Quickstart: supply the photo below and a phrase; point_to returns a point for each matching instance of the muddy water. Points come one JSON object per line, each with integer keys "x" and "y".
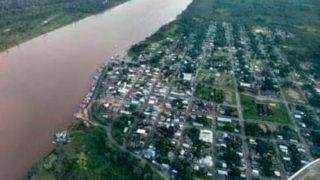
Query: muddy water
{"x": 42, "y": 81}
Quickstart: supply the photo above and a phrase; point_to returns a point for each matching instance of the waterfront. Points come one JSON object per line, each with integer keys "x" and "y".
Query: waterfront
{"x": 43, "y": 81}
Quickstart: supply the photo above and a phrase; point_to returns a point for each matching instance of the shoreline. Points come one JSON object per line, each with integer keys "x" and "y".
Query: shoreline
{"x": 43, "y": 53}
{"x": 82, "y": 114}
{"x": 9, "y": 46}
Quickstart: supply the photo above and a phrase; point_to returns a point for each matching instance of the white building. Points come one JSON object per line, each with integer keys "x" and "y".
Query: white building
{"x": 206, "y": 136}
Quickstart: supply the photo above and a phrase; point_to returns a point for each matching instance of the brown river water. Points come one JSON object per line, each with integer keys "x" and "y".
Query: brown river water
{"x": 42, "y": 81}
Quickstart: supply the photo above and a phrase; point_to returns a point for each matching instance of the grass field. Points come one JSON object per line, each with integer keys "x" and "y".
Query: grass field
{"x": 293, "y": 94}
{"x": 279, "y": 111}
{"x": 219, "y": 80}
{"x": 232, "y": 126}
{"x": 230, "y": 97}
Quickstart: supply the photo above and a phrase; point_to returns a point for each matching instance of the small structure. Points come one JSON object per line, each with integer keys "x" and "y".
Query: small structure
{"x": 60, "y": 137}
{"x": 223, "y": 119}
{"x": 206, "y": 136}
{"x": 141, "y": 131}
{"x": 149, "y": 153}
{"x": 277, "y": 173}
{"x": 206, "y": 161}
{"x": 187, "y": 76}
{"x": 223, "y": 172}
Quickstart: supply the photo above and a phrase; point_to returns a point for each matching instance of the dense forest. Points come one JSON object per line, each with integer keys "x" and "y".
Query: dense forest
{"x": 24, "y": 19}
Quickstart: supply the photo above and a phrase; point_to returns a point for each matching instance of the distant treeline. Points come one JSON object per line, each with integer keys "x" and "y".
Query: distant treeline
{"x": 24, "y": 19}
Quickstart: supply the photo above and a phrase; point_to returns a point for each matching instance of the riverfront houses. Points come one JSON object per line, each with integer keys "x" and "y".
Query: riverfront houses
{"x": 221, "y": 114}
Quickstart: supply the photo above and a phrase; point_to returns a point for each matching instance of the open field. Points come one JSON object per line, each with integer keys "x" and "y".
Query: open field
{"x": 278, "y": 112}
{"x": 294, "y": 94}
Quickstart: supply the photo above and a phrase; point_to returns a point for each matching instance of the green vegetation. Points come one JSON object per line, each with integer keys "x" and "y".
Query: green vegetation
{"x": 204, "y": 121}
{"x": 299, "y": 41}
{"x": 295, "y": 155}
{"x": 275, "y": 112}
{"x": 248, "y": 104}
{"x": 163, "y": 143}
{"x": 232, "y": 126}
{"x": 315, "y": 136}
{"x": 23, "y": 20}
{"x": 287, "y": 15}
{"x": 266, "y": 153}
{"x": 230, "y": 156}
{"x": 218, "y": 95}
{"x": 314, "y": 97}
{"x": 193, "y": 134}
{"x": 228, "y": 111}
{"x": 96, "y": 112}
{"x": 208, "y": 93}
{"x": 257, "y": 130}
{"x": 210, "y": 77}
{"x": 230, "y": 97}
{"x": 293, "y": 93}
{"x": 194, "y": 19}
{"x": 120, "y": 127}
{"x": 315, "y": 140}
{"x": 206, "y": 76}
{"x": 90, "y": 155}
{"x": 286, "y": 133}
{"x": 308, "y": 118}
{"x": 204, "y": 92}
{"x": 220, "y": 39}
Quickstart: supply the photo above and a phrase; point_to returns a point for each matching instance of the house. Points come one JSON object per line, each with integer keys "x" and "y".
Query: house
{"x": 255, "y": 172}
{"x": 149, "y": 153}
{"x": 187, "y": 76}
{"x": 141, "y": 131}
{"x": 222, "y": 119}
{"x": 61, "y": 136}
{"x": 206, "y": 136}
{"x": 223, "y": 172}
{"x": 206, "y": 161}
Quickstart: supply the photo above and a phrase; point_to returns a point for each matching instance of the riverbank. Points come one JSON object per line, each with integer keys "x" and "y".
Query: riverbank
{"x": 81, "y": 162}
{"x": 42, "y": 82}
{"x": 23, "y": 22}
{"x": 90, "y": 155}
{"x": 147, "y": 103}
{"x": 87, "y": 149}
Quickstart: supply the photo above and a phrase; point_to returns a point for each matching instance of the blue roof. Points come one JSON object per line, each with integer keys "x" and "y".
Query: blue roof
{"x": 149, "y": 153}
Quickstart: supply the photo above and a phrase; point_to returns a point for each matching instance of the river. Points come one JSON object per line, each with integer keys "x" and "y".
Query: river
{"x": 42, "y": 81}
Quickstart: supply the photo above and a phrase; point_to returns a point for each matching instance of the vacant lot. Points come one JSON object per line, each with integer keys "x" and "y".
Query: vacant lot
{"x": 271, "y": 111}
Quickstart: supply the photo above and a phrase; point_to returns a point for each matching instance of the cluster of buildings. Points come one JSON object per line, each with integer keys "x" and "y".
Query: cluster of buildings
{"x": 189, "y": 118}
